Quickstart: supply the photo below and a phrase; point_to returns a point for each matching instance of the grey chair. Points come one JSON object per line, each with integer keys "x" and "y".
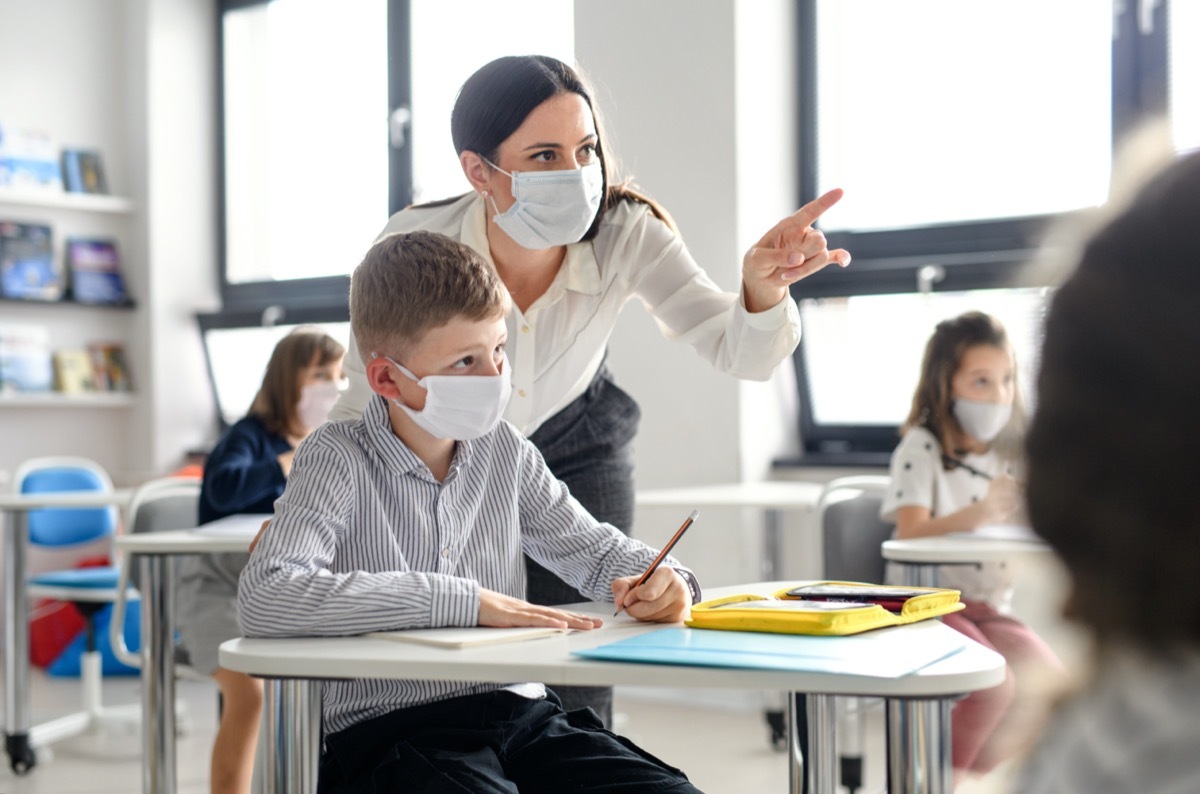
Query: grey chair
{"x": 851, "y": 536}
{"x": 158, "y": 505}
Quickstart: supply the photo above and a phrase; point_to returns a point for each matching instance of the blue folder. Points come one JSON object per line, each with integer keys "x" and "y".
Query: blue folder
{"x": 886, "y": 653}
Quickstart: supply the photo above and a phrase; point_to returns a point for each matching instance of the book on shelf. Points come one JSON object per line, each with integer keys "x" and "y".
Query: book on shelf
{"x": 24, "y": 359}
{"x": 110, "y": 366}
{"x": 825, "y": 608}
{"x": 94, "y": 268}
{"x": 73, "y": 372}
{"x": 28, "y": 270}
{"x": 83, "y": 171}
{"x": 28, "y": 160}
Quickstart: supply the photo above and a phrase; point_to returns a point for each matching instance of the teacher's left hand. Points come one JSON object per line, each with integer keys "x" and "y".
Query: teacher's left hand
{"x": 790, "y": 251}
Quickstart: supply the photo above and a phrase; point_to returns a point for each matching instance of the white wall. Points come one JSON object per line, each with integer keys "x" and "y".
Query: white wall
{"x": 134, "y": 79}
{"x": 698, "y": 104}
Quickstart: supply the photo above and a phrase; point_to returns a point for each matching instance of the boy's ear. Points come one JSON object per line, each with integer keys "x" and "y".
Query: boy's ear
{"x": 475, "y": 169}
{"x": 379, "y": 378}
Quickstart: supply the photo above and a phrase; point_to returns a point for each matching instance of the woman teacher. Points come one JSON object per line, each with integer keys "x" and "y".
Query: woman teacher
{"x": 572, "y": 248}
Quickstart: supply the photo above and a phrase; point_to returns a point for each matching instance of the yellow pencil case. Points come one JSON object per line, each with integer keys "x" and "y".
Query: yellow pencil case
{"x": 828, "y": 608}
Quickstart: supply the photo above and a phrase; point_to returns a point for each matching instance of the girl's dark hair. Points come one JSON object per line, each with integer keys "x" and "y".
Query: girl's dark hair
{"x": 1112, "y": 451}
{"x": 275, "y": 403}
{"x": 943, "y": 356}
{"x": 497, "y": 99}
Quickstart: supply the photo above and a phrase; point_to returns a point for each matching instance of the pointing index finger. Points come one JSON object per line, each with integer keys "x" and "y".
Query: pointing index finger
{"x": 808, "y": 214}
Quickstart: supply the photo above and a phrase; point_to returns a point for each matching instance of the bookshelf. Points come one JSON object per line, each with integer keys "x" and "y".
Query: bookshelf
{"x": 68, "y": 323}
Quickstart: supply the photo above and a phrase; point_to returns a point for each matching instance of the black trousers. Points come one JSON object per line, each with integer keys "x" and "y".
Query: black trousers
{"x": 493, "y": 743}
{"x": 589, "y": 446}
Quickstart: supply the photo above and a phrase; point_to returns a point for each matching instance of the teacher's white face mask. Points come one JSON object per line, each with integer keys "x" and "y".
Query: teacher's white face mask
{"x": 552, "y": 207}
{"x": 982, "y": 421}
{"x": 460, "y": 407}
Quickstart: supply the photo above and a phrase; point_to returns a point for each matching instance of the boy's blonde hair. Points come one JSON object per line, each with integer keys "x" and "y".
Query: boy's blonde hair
{"x": 410, "y": 283}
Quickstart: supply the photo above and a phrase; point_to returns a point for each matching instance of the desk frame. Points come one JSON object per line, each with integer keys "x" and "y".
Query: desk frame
{"x": 20, "y": 738}
{"x": 918, "y": 705}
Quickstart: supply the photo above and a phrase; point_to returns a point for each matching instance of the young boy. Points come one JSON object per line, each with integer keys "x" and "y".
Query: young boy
{"x": 417, "y": 515}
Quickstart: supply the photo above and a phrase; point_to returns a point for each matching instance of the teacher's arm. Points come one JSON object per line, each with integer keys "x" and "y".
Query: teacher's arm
{"x": 353, "y": 401}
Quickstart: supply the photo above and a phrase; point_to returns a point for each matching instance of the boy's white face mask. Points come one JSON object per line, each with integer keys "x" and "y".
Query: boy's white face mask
{"x": 459, "y": 407}
{"x": 982, "y": 421}
{"x": 552, "y": 207}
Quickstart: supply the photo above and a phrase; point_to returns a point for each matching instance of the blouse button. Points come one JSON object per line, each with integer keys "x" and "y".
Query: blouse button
{"x": 446, "y": 553}
{"x": 524, "y": 329}
{"x": 521, "y": 392}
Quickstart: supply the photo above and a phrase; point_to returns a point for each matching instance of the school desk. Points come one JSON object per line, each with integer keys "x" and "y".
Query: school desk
{"x": 155, "y": 552}
{"x": 919, "y": 558}
{"x": 21, "y": 739}
{"x": 918, "y": 705}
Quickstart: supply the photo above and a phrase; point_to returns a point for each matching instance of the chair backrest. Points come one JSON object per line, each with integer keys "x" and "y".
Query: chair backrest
{"x": 165, "y": 503}
{"x": 63, "y": 526}
{"x": 851, "y": 530}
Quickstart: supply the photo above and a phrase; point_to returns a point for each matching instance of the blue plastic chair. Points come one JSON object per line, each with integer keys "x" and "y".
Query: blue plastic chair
{"x": 90, "y": 590}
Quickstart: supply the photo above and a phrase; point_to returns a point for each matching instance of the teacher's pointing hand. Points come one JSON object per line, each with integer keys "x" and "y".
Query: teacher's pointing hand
{"x": 790, "y": 251}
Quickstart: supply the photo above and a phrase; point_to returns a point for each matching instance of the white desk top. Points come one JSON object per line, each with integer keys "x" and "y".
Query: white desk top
{"x": 770, "y": 494}
{"x": 182, "y": 541}
{"x": 959, "y": 548}
{"x": 36, "y": 501}
{"x": 549, "y": 660}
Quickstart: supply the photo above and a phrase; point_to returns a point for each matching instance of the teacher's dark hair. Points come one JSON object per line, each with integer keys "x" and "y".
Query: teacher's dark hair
{"x": 1112, "y": 450}
{"x": 497, "y": 99}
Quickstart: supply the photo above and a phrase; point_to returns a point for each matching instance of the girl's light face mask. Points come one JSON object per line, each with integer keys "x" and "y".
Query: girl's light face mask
{"x": 459, "y": 407}
{"x": 552, "y": 208}
{"x": 980, "y": 420}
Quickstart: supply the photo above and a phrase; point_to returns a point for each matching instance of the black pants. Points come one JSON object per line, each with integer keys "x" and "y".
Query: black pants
{"x": 589, "y": 446}
{"x": 494, "y": 743}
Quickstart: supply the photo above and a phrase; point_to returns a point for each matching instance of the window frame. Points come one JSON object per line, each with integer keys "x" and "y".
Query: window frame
{"x": 973, "y": 255}
{"x": 249, "y": 299}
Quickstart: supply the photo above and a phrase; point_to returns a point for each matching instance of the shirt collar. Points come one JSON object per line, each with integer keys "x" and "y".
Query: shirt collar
{"x": 580, "y": 271}
{"x": 394, "y": 453}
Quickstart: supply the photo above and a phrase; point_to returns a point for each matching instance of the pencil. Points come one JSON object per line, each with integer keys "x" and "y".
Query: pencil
{"x": 662, "y": 555}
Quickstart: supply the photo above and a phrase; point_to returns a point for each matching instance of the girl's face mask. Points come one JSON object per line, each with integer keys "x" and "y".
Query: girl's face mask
{"x": 459, "y": 407}
{"x": 316, "y": 401}
{"x": 552, "y": 207}
{"x": 982, "y": 421}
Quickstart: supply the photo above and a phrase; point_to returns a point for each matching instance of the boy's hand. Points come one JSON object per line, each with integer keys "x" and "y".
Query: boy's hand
{"x": 663, "y": 598}
{"x": 497, "y": 609}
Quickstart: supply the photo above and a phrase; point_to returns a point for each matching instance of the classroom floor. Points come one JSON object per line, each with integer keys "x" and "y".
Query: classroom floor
{"x": 723, "y": 746}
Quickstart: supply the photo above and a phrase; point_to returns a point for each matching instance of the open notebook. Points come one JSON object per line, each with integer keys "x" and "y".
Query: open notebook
{"x": 474, "y": 636}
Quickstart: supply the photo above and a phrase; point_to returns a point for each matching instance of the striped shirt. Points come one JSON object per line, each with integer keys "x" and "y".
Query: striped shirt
{"x": 1136, "y": 728}
{"x": 365, "y": 539}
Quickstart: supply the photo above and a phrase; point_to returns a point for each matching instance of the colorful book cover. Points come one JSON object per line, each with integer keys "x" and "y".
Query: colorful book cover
{"x": 27, "y": 267}
{"x": 25, "y": 359}
{"x": 109, "y": 366}
{"x": 28, "y": 160}
{"x": 73, "y": 372}
{"x": 95, "y": 269}
{"x": 83, "y": 171}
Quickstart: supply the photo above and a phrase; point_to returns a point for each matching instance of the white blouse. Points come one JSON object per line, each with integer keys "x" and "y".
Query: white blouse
{"x": 556, "y": 347}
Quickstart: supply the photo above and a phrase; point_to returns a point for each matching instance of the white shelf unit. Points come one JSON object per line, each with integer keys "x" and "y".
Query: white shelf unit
{"x": 60, "y": 400}
{"x": 53, "y": 199}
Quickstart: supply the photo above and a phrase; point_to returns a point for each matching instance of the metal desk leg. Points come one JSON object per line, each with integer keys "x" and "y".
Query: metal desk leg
{"x": 919, "y": 574}
{"x": 16, "y": 646}
{"x": 158, "y": 674}
{"x": 821, "y": 766}
{"x": 918, "y": 738}
{"x": 293, "y": 735}
{"x": 772, "y": 544}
